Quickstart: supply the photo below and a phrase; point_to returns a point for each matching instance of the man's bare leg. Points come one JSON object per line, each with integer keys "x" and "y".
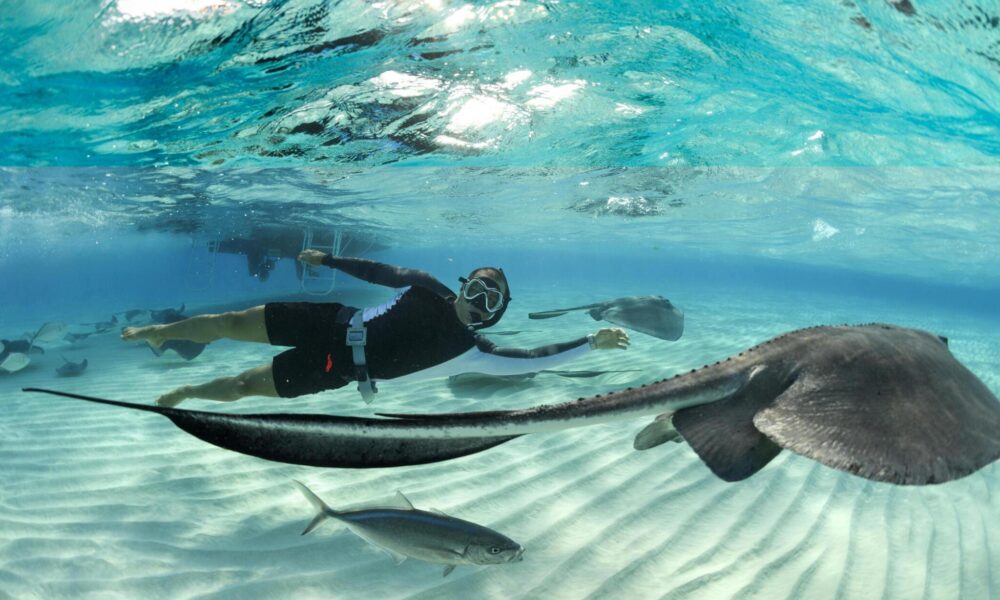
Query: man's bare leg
{"x": 244, "y": 325}
{"x": 255, "y": 382}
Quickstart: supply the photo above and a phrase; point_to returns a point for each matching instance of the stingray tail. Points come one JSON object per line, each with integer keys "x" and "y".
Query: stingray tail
{"x": 548, "y": 314}
{"x": 328, "y": 441}
{"x": 323, "y": 512}
{"x": 146, "y": 407}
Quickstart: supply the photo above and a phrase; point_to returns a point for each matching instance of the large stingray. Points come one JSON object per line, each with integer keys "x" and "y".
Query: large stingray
{"x": 652, "y": 315}
{"x": 879, "y": 401}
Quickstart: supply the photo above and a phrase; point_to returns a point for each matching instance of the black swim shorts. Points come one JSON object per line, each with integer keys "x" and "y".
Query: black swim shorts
{"x": 320, "y": 358}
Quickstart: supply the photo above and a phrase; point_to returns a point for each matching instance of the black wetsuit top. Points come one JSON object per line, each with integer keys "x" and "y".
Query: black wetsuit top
{"x": 419, "y": 329}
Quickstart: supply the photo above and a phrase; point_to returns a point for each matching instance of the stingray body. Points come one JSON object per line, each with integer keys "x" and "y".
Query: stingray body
{"x": 103, "y": 326}
{"x": 51, "y": 331}
{"x": 167, "y": 315}
{"x": 12, "y": 362}
{"x": 71, "y": 369}
{"x": 879, "y": 401}
{"x": 21, "y": 346}
{"x": 14, "y": 354}
{"x": 187, "y": 349}
{"x": 652, "y": 315}
{"x": 73, "y": 338}
{"x": 135, "y": 314}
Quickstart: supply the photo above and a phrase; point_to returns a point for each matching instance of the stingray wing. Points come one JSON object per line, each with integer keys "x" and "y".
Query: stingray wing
{"x": 49, "y": 332}
{"x": 187, "y": 349}
{"x": 656, "y": 321}
{"x": 926, "y": 419}
{"x": 14, "y": 362}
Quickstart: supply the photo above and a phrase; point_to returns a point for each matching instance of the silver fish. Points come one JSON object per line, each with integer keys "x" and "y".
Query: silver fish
{"x": 405, "y": 532}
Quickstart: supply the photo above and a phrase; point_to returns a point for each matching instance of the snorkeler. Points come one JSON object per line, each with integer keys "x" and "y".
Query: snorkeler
{"x": 425, "y": 331}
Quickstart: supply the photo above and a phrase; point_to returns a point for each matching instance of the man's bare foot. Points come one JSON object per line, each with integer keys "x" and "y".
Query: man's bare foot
{"x": 173, "y": 398}
{"x": 150, "y": 334}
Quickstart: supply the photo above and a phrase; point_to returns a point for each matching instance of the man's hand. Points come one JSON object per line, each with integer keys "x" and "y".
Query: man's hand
{"x": 312, "y": 257}
{"x": 608, "y": 339}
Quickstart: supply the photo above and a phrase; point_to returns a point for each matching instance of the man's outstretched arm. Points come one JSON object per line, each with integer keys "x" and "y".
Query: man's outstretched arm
{"x": 515, "y": 361}
{"x": 488, "y": 359}
{"x": 376, "y": 272}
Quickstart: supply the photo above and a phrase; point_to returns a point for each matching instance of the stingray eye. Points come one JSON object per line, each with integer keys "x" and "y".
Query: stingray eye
{"x": 495, "y": 550}
{"x": 943, "y": 339}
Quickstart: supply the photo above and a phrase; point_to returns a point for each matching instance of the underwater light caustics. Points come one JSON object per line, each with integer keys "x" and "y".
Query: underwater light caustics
{"x": 148, "y": 10}
{"x": 878, "y": 401}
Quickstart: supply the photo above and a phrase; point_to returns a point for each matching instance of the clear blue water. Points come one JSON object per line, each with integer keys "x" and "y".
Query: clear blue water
{"x": 765, "y": 166}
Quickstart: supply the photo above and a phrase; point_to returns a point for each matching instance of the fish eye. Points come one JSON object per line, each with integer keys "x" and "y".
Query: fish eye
{"x": 495, "y": 550}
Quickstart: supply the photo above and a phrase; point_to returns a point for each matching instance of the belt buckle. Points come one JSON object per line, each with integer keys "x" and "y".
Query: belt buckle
{"x": 357, "y": 336}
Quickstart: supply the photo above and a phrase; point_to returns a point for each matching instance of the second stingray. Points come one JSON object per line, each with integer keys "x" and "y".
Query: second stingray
{"x": 652, "y": 315}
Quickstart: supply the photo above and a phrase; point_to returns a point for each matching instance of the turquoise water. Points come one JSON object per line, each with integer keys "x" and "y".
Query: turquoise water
{"x": 764, "y": 167}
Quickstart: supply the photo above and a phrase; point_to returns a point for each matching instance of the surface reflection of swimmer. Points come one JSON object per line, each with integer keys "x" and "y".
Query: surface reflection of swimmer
{"x": 425, "y": 331}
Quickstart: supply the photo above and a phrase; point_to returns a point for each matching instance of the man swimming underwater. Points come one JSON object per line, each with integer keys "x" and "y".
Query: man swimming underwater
{"x": 425, "y": 331}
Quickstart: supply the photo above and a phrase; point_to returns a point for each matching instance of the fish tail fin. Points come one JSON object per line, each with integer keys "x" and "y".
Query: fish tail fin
{"x": 323, "y": 512}
{"x": 658, "y": 432}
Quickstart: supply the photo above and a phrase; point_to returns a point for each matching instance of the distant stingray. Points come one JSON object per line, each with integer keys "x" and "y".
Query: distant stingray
{"x": 49, "y": 332}
{"x": 14, "y": 354}
{"x": 167, "y": 315}
{"x": 513, "y": 332}
{"x": 102, "y": 326}
{"x": 70, "y": 368}
{"x": 135, "y": 313}
{"x": 11, "y": 362}
{"x": 77, "y": 337}
{"x": 22, "y": 346}
{"x": 652, "y": 315}
{"x": 187, "y": 349}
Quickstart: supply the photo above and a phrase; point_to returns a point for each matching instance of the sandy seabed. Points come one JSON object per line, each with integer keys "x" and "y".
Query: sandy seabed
{"x": 101, "y": 502}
